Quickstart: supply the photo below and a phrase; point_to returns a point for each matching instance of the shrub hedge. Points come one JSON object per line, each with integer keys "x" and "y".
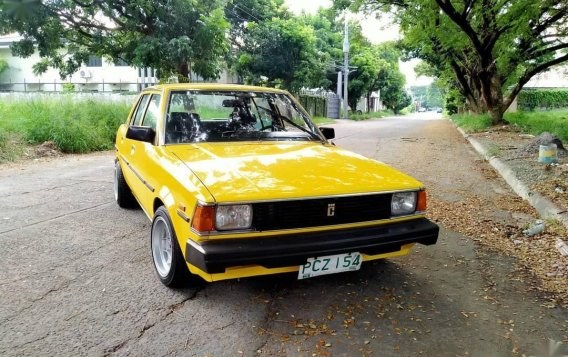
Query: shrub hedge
{"x": 531, "y": 99}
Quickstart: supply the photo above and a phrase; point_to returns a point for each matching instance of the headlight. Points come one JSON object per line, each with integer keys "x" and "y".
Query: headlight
{"x": 233, "y": 217}
{"x": 403, "y": 203}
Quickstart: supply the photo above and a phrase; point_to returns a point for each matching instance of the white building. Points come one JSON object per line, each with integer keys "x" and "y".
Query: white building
{"x": 97, "y": 75}
{"x": 555, "y": 77}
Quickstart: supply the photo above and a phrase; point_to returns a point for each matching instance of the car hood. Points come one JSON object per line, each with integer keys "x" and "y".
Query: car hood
{"x": 234, "y": 172}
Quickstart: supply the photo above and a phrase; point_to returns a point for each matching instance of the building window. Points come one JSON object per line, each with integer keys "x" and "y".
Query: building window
{"x": 94, "y": 61}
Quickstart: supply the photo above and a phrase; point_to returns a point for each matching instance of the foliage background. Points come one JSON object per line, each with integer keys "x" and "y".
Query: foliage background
{"x": 531, "y": 99}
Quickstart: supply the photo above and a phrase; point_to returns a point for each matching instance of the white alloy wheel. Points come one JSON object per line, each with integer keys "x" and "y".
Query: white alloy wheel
{"x": 162, "y": 246}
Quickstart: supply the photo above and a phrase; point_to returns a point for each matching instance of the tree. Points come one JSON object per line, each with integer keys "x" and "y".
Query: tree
{"x": 280, "y": 52}
{"x": 173, "y": 36}
{"x": 390, "y": 80}
{"x": 240, "y": 13}
{"x": 491, "y": 48}
{"x": 428, "y": 96}
{"x": 328, "y": 45}
{"x": 393, "y": 94}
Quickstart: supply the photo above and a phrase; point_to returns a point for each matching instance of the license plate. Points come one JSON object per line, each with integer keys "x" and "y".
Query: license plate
{"x": 330, "y": 264}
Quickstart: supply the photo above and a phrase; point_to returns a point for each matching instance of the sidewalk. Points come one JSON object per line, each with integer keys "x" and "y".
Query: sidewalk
{"x": 545, "y": 187}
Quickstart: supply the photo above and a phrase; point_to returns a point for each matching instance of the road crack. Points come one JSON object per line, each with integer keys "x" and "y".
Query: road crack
{"x": 171, "y": 309}
{"x": 57, "y": 217}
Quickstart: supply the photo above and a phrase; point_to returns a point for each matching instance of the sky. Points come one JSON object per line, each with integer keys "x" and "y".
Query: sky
{"x": 375, "y": 30}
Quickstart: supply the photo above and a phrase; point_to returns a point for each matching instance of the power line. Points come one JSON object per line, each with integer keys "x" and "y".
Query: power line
{"x": 247, "y": 12}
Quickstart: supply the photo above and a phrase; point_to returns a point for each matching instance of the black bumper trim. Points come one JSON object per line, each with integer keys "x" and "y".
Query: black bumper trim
{"x": 294, "y": 249}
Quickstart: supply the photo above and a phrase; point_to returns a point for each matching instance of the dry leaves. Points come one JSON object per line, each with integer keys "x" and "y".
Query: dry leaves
{"x": 537, "y": 254}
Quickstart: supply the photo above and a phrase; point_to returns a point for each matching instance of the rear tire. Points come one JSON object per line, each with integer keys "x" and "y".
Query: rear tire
{"x": 167, "y": 257}
{"x": 122, "y": 193}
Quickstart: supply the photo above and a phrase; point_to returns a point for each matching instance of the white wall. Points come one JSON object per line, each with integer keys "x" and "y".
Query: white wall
{"x": 20, "y": 71}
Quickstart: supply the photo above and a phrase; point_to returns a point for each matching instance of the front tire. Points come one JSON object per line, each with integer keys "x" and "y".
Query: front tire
{"x": 166, "y": 254}
{"x": 122, "y": 193}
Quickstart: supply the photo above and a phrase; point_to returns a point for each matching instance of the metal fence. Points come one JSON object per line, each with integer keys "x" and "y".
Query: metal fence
{"x": 319, "y": 102}
{"x": 59, "y": 86}
{"x": 127, "y": 98}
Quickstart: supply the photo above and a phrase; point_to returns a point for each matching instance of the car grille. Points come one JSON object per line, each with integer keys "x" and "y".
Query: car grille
{"x": 320, "y": 212}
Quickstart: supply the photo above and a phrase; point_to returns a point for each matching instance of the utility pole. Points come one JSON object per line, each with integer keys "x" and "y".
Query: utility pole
{"x": 345, "y": 69}
{"x": 339, "y": 84}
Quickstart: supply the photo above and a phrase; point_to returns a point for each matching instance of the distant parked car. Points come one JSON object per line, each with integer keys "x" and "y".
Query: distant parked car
{"x": 438, "y": 110}
{"x": 421, "y": 110}
{"x": 238, "y": 182}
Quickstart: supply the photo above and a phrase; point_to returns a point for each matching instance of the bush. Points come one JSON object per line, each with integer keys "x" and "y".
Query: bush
{"x": 68, "y": 87}
{"x": 74, "y": 126}
{"x": 531, "y": 99}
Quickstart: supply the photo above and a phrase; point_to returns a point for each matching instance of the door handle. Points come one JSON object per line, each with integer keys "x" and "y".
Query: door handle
{"x": 132, "y": 150}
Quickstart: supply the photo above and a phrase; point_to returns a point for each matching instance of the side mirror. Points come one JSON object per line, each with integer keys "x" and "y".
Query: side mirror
{"x": 141, "y": 133}
{"x": 328, "y": 133}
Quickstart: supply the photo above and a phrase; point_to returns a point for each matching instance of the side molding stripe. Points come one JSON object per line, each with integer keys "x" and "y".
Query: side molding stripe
{"x": 137, "y": 174}
{"x": 183, "y": 216}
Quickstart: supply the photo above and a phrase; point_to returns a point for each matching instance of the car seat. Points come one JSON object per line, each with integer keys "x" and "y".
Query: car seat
{"x": 182, "y": 127}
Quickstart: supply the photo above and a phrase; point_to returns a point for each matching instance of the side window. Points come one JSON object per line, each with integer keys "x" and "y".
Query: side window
{"x": 153, "y": 112}
{"x": 139, "y": 113}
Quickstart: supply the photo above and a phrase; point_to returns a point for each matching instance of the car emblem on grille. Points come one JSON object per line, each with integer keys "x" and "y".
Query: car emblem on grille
{"x": 331, "y": 209}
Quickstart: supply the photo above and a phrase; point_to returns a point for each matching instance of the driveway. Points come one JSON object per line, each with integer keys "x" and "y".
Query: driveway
{"x": 77, "y": 276}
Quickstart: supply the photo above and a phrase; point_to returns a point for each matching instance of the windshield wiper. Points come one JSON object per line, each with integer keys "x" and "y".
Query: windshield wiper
{"x": 291, "y": 122}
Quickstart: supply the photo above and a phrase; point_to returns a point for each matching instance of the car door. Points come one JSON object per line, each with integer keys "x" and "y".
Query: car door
{"x": 140, "y": 154}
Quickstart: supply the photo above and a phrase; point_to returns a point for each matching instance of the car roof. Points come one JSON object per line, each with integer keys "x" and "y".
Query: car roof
{"x": 213, "y": 86}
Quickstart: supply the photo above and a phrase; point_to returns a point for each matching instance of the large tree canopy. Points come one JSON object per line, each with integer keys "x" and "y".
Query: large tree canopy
{"x": 489, "y": 48}
{"x": 173, "y": 36}
{"x": 373, "y": 67}
{"x": 280, "y": 53}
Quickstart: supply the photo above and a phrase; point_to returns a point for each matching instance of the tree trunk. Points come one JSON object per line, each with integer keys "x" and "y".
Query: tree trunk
{"x": 183, "y": 72}
{"x": 492, "y": 95}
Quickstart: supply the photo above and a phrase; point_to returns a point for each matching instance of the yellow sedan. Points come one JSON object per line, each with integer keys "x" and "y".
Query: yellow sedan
{"x": 239, "y": 182}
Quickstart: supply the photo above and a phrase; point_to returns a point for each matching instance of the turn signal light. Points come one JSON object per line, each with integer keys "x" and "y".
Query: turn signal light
{"x": 203, "y": 218}
{"x": 421, "y": 204}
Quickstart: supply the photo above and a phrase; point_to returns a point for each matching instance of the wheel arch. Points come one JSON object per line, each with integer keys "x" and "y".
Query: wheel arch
{"x": 157, "y": 204}
{"x": 165, "y": 198}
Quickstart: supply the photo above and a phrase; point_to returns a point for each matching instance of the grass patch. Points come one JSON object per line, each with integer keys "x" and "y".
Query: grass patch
{"x": 555, "y": 122}
{"x": 74, "y": 126}
{"x": 11, "y": 146}
{"x": 323, "y": 120}
{"x": 371, "y": 115}
{"x": 472, "y": 123}
{"x": 535, "y": 123}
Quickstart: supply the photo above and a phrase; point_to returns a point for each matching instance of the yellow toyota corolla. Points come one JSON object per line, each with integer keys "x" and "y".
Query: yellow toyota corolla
{"x": 238, "y": 182}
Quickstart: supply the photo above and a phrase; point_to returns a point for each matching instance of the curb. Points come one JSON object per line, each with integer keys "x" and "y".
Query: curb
{"x": 545, "y": 207}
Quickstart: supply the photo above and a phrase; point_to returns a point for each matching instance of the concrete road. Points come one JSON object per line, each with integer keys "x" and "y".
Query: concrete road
{"x": 77, "y": 277}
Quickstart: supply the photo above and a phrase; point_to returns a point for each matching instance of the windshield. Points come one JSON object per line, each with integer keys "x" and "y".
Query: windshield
{"x": 210, "y": 116}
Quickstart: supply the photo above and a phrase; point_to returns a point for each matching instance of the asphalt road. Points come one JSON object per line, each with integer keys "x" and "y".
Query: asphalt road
{"x": 77, "y": 277}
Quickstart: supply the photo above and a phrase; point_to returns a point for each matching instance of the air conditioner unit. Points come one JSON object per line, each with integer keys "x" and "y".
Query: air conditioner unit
{"x": 84, "y": 73}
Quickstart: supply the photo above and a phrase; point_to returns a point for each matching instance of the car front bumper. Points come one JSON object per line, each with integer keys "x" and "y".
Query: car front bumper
{"x": 215, "y": 255}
